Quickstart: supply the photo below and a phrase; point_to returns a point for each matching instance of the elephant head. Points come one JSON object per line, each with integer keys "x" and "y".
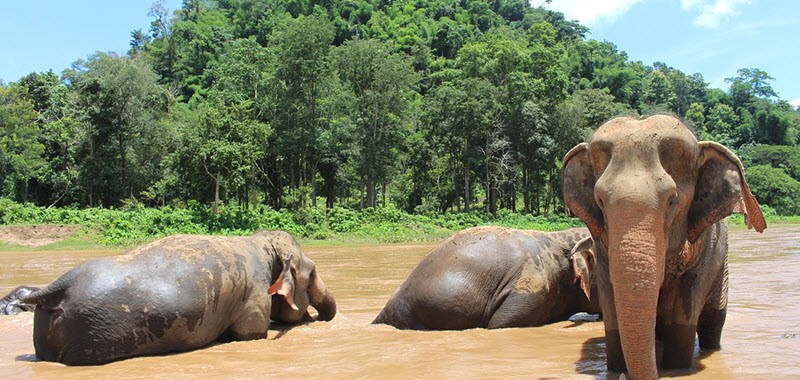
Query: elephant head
{"x": 647, "y": 189}
{"x": 297, "y": 285}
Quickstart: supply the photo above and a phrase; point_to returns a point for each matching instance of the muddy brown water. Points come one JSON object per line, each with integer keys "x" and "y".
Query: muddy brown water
{"x": 761, "y": 338}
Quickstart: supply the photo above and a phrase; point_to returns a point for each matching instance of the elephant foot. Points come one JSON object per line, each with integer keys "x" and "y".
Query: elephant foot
{"x": 678, "y": 346}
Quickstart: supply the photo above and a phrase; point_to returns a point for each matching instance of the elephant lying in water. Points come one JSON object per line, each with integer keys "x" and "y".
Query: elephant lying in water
{"x": 178, "y": 293}
{"x": 492, "y": 277}
{"x": 12, "y": 304}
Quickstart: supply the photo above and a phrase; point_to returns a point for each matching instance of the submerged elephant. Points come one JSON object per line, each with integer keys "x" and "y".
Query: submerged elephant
{"x": 178, "y": 293}
{"x": 12, "y": 304}
{"x": 491, "y": 277}
{"x": 654, "y": 198}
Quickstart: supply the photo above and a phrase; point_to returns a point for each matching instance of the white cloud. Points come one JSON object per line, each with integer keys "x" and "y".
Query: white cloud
{"x": 795, "y": 103}
{"x": 713, "y": 12}
{"x": 590, "y": 12}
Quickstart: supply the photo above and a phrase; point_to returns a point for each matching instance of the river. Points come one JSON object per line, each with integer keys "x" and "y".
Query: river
{"x": 761, "y": 338}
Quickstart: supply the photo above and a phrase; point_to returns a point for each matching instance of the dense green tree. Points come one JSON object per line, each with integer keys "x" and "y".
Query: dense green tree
{"x": 222, "y": 144}
{"x": 200, "y": 32}
{"x": 119, "y": 104}
{"x": 783, "y": 157}
{"x": 721, "y": 124}
{"x": 59, "y": 136}
{"x": 422, "y": 104}
{"x": 20, "y": 150}
{"x": 302, "y": 70}
{"x": 657, "y": 90}
{"x": 774, "y": 187}
{"x": 383, "y": 84}
{"x": 697, "y": 119}
{"x": 464, "y": 116}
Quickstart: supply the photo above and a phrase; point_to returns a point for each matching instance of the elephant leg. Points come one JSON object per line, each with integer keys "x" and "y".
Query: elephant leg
{"x": 42, "y": 324}
{"x": 520, "y": 310}
{"x": 709, "y": 328}
{"x": 678, "y": 345}
{"x": 253, "y": 324}
{"x": 679, "y": 313}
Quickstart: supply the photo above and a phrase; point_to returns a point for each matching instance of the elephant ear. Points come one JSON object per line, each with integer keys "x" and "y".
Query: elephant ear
{"x": 284, "y": 285}
{"x": 583, "y": 263}
{"x": 577, "y": 184}
{"x": 721, "y": 190}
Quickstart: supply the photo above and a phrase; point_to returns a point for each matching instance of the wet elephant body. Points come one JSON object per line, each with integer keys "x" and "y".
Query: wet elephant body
{"x": 491, "y": 277}
{"x": 174, "y": 294}
{"x": 12, "y": 304}
{"x": 654, "y": 199}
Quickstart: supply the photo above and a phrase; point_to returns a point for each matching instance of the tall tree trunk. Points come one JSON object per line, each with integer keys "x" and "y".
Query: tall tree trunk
{"x": 512, "y": 201}
{"x": 526, "y": 192}
{"x": 93, "y": 156}
{"x": 124, "y": 165}
{"x": 466, "y": 189}
{"x": 383, "y": 194}
{"x": 371, "y": 193}
{"x": 361, "y": 197}
{"x": 492, "y": 199}
{"x": 314, "y": 183}
{"x": 253, "y": 189}
{"x": 216, "y": 194}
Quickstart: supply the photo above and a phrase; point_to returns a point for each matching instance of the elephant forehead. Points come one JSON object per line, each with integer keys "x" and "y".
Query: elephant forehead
{"x": 646, "y": 138}
{"x": 653, "y": 129}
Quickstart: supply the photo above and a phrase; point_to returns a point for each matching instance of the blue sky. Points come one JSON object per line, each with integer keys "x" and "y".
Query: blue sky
{"x": 711, "y": 37}
{"x": 39, "y": 35}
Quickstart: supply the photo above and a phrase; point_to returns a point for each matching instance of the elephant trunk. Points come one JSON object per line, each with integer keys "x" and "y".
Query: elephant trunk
{"x": 322, "y": 300}
{"x": 636, "y": 268}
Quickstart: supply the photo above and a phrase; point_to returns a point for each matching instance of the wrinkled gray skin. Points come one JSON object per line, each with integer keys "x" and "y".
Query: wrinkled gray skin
{"x": 654, "y": 199}
{"x": 178, "y": 293}
{"x": 491, "y": 277}
{"x": 12, "y": 304}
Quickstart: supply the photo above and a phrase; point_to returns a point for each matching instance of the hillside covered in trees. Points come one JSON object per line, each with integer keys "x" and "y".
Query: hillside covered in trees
{"x": 426, "y": 105}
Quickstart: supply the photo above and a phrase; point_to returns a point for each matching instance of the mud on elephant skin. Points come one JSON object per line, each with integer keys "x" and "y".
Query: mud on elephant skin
{"x": 654, "y": 199}
{"x": 491, "y": 277}
{"x": 178, "y": 293}
{"x": 12, "y": 303}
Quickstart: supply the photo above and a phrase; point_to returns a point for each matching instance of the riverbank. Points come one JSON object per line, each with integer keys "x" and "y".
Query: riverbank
{"x": 124, "y": 227}
{"x": 25, "y": 225}
{"x": 50, "y": 237}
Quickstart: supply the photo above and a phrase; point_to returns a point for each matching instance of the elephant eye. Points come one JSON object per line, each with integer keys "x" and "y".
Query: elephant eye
{"x": 673, "y": 199}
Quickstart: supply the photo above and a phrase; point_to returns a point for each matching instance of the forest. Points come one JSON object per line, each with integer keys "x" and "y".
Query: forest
{"x": 425, "y": 106}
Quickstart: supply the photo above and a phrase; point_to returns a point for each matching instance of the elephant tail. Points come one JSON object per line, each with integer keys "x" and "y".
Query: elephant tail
{"x": 57, "y": 287}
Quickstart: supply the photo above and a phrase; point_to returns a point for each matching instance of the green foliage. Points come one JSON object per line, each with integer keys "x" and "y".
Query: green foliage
{"x": 776, "y": 188}
{"x": 20, "y": 150}
{"x": 433, "y": 107}
{"x": 786, "y": 158}
{"x": 136, "y": 223}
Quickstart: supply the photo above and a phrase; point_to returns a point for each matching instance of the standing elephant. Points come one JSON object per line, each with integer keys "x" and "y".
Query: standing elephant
{"x": 491, "y": 277}
{"x": 654, "y": 198}
{"x": 178, "y": 293}
{"x": 12, "y": 304}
